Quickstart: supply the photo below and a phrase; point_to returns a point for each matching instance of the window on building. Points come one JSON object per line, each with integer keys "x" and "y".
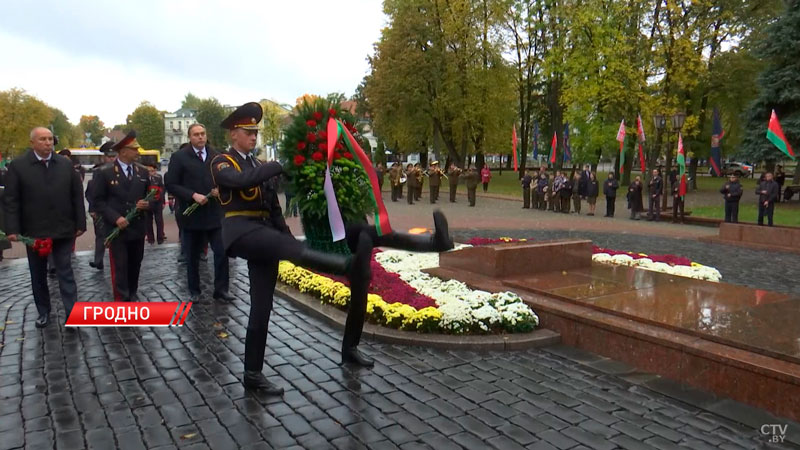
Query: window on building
{"x": 179, "y": 124}
{"x": 171, "y": 126}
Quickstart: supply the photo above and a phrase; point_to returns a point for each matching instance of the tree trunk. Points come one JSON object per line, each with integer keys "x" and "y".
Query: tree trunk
{"x": 480, "y": 161}
{"x": 796, "y": 179}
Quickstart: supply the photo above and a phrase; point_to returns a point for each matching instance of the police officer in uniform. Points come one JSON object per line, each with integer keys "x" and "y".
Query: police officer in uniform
{"x": 118, "y": 187}
{"x": 97, "y": 219}
{"x": 253, "y": 228}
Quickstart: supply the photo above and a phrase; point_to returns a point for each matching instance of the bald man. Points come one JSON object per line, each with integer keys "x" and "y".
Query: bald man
{"x": 44, "y": 199}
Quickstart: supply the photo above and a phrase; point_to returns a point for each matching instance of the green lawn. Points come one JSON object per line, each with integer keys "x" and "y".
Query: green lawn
{"x": 786, "y": 214}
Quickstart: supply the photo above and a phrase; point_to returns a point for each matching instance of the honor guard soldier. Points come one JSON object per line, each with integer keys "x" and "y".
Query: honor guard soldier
{"x": 118, "y": 188}
{"x": 253, "y": 228}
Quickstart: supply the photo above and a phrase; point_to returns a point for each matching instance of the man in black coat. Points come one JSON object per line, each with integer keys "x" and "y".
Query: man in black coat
{"x": 610, "y": 191}
{"x": 189, "y": 180}
{"x": 155, "y": 216}
{"x": 118, "y": 188}
{"x": 732, "y": 193}
{"x": 767, "y": 192}
{"x": 44, "y": 199}
{"x": 654, "y": 190}
{"x": 583, "y": 184}
{"x": 526, "y": 190}
{"x": 99, "y": 231}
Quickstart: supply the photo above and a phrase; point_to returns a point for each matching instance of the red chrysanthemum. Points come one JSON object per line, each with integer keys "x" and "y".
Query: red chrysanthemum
{"x": 332, "y": 112}
{"x": 311, "y": 137}
{"x": 317, "y": 116}
{"x": 348, "y": 155}
{"x": 339, "y": 146}
{"x": 301, "y": 145}
{"x": 323, "y": 146}
{"x": 322, "y": 135}
{"x": 299, "y": 160}
{"x": 317, "y": 156}
{"x": 337, "y": 155}
{"x": 311, "y": 123}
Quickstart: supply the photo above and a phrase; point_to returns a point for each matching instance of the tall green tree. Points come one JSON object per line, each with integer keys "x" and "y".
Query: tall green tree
{"x": 148, "y": 122}
{"x": 211, "y": 113}
{"x": 778, "y": 89}
{"x": 19, "y": 114}
{"x": 63, "y": 129}
{"x": 191, "y": 101}
{"x": 94, "y": 126}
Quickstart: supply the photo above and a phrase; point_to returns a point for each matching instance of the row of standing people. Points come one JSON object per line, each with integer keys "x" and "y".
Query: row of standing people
{"x": 413, "y": 178}
{"x": 564, "y": 194}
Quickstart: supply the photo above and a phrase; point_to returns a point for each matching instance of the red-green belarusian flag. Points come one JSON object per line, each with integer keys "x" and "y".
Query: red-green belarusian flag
{"x": 621, "y": 139}
{"x": 681, "y": 166}
{"x": 776, "y": 136}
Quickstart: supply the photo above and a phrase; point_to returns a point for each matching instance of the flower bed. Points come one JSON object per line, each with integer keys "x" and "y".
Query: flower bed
{"x": 670, "y": 264}
{"x": 437, "y": 305}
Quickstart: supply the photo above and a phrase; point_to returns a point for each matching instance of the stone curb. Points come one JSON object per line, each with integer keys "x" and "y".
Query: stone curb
{"x": 337, "y": 318}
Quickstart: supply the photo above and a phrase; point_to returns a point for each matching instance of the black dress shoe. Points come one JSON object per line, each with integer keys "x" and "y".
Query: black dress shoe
{"x": 96, "y": 266}
{"x": 223, "y": 297}
{"x": 43, "y": 320}
{"x": 257, "y": 380}
{"x": 353, "y": 356}
{"x": 196, "y": 298}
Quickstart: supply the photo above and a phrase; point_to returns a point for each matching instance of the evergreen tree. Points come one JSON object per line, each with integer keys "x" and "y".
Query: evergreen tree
{"x": 779, "y": 89}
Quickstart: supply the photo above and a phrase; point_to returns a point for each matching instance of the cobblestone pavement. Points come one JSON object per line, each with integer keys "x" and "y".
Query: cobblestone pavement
{"x": 133, "y": 388}
{"x": 759, "y": 269}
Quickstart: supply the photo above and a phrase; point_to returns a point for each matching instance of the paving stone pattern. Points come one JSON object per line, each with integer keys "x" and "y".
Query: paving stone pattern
{"x": 758, "y": 269}
{"x": 164, "y": 388}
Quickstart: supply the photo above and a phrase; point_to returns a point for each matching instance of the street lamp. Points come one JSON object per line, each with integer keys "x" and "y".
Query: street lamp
{"x": 677, "y": 121}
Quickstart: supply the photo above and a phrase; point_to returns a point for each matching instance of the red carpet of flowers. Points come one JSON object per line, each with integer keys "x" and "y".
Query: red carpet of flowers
{"x": 391, "y": 287}
{"x": 667, "y": 259}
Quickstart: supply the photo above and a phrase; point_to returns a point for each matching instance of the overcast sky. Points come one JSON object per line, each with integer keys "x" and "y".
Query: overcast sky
{"x": 104, "y": 57}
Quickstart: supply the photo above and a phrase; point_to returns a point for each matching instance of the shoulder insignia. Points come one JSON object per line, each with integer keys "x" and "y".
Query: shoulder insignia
{"x": 222, "y": 165}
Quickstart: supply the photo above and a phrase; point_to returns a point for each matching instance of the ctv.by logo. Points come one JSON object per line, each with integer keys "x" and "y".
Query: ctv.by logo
{"x": 775, "y": 432}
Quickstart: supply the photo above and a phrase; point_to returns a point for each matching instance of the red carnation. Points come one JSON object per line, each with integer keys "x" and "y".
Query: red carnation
{"x": 43, "y": 247}
{"x": 159, "y": 192}
{"x": 323, "y": 135}
{"x": 323, "y": 146}
{"x": 339, "y": 146}
{"x": 317, "y": 115}
{"x": 311, "y": 123}
{"x": 348, "y": 155}
{"x": 311, "y": 137}
{"x": 301, "y": 145}
{"x": 317, "y": 156}
{"x": 332, "y": 112}
{"x": 337, "y": 155}
{"x": 299, "y": 160}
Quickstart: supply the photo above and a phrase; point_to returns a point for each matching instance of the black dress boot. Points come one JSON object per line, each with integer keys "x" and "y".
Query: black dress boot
{"x": 360, "y": 276}
{"x": 440, "y": 241}
{"x": 256, "y": 380}
{"x": 332, "y": 263}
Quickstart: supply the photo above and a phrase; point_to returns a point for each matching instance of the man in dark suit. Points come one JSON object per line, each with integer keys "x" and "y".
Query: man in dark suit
{"x": 767, "y": 192}
{"x": 655, "y": 189}
{"x": 99, "y": 232}
{"x": 44, "y": 199}
{"x": 189, "y": 180}
{"x": 119, "y": 187}
{"x": 254, "y": 229}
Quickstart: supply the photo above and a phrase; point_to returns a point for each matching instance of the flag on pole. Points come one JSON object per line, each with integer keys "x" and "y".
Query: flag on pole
{"x": 536, "y": 140}
{"x": 776, "y": 136}
{"x": 621, "y": 139}
{"x": 514, "y": 145}
{"x": 640, "y": 132}
{"x": 553, "y": 148}
{"x": 567, "y": 150}
{"x": 681, "y": 166}
{"x": 716, "y": 135}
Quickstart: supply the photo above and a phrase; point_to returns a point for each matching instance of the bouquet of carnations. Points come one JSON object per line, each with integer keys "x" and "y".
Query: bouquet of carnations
{"x": 43, "y": 247}
{"x": 152, "y": 194}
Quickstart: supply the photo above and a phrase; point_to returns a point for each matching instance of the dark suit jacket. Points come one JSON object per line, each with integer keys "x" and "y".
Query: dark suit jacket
{"x": 186, "y": 175}
{"x": 41, "y": 201}
{"x": 112, "y": 196}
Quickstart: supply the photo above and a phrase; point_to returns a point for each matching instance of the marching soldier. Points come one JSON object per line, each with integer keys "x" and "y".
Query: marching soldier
{"x": 472, "y": 179}
{"x": 411, "y": 182}
{"x": 254, "y": 229}
{"x": 420, "y": 181}
{"x": 118, "y": 188}
{"x": 452, "y": 176}
{"x": 394, "y": 179}
{"x": 435, "y": 174}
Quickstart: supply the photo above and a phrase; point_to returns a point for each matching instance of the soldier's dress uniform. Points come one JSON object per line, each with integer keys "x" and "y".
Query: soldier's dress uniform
{"x": 97, "y": 220}
{"x": 420, "y": 182}
{"x": 253, "y": 228}
{"x": 435, "y": 176}
{"x": 452, "y": 177}
{"x": 114, "y": 193}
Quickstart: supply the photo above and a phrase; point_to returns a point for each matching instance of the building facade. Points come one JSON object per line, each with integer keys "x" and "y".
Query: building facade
{"x": 175, "y": 126}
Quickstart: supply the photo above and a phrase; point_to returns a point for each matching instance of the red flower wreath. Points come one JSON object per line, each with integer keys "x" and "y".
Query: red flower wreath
{"x": 301, "y": 145}
{"x": 348, "y": 155}
{"x": 317, "y": 156}
{"x": 317, "y": 116}
{"x": 299, "y": 160}
{"x": 311, "y": 137}
{"x": 332, "y": 112}
{"x": 311, "y": 123}
{"x": 322, "y": 135}
{"x": 323, "y": 146}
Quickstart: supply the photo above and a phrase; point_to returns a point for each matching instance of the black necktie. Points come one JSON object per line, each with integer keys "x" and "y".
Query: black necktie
{"x": 200, "y": 155}
{"x": 250, "y": 161}
{"x": 130, "y": 173}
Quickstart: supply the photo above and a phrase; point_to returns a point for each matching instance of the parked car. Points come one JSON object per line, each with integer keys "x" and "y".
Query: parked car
{"x": 740, "y": 169}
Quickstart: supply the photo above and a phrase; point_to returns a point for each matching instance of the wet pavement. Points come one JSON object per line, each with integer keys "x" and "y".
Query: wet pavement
{"x": 166, "y": 388}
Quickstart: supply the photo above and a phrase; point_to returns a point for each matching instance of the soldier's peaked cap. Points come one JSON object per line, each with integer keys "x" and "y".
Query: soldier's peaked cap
{"x": 105, "y": 148}
{"x": 128, "y": 141}
{"x": 246, "y": 116}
